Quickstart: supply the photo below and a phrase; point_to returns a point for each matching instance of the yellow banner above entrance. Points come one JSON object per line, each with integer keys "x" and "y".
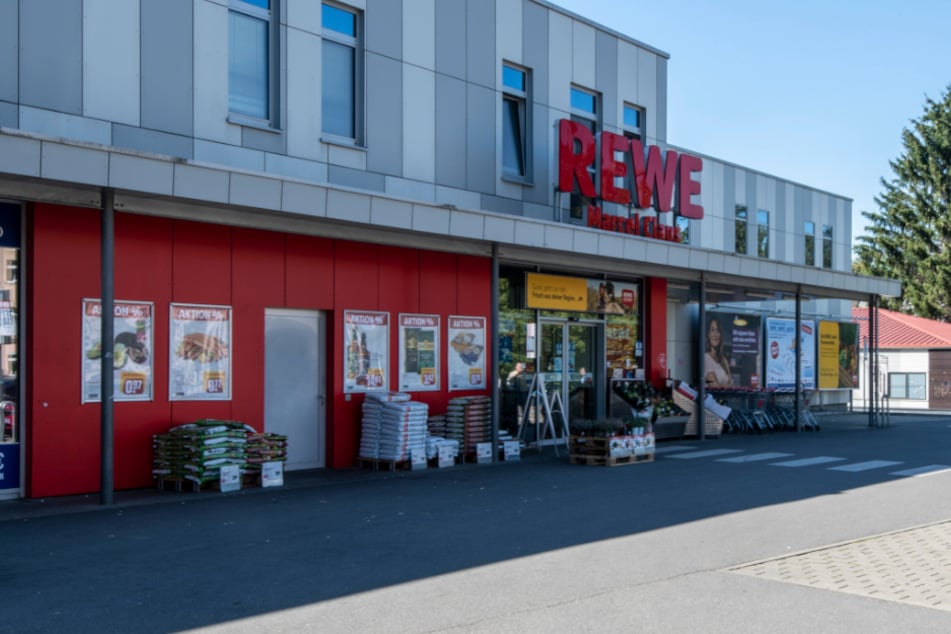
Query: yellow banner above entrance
{"x": 554, "y": 292}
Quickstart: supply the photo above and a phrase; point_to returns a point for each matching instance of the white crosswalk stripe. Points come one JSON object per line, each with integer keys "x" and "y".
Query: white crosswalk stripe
{"x": 807, "y": 462}
{"x": 772, "y": 455}
{"x": 922, "y": 471}
{"x": 865, "y": 466}
{"x": 704, "y": 454}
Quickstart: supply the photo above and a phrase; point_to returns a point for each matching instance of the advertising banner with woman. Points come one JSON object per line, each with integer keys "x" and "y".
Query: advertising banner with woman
{"x": 131, "y": 351}
{"x": 732, "y": 352}
{"x": 199, "y": 360}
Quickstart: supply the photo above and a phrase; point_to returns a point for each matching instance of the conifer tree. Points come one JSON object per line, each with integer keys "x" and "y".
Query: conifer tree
{"x": 909, "y": 237}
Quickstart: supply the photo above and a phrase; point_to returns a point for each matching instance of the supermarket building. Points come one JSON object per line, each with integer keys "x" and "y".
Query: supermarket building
{"x": 290, "y": 203}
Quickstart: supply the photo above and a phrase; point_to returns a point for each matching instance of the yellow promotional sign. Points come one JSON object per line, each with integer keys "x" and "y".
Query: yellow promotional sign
{"x": 554, "y": 292}
{"x": 828, "y": 355}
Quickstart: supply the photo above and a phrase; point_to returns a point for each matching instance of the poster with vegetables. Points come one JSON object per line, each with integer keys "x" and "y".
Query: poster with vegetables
{"x": 366, "y": 346}
{"x": 131, "y": 351}
{"x": 199, "y": 360}
{"x": 419, "y": 352}
{"x": 466, "y": 353}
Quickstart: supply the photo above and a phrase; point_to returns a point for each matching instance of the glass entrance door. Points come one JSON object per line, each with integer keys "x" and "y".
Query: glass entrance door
{"x": 571, "y": 356}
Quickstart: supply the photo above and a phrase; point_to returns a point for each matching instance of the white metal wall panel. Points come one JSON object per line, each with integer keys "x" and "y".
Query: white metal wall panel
{"x": 508, "y": 31}
{"x": 303, "y": 90}
{"x": 111, "y": 60}
{"x": 64, "y": 125}
{"x": 419, "y": 130}
{"x": 211, "y": 74}
{"x": 303, "y": 15}
{"x": 419, "y": 33}
{"x": 583, "y": 57}
{"x": 627, "y": 80}
{"x": 647, "y": 91}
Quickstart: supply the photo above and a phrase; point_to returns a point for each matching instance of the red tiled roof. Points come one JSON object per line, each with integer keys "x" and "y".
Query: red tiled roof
{"x": 898, "y": 330}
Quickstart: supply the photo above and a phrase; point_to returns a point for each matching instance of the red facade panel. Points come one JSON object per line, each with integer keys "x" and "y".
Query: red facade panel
{"x": 164, "y": 261}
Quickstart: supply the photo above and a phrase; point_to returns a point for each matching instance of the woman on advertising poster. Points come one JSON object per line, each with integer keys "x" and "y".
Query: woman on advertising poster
{"x": 716, "y": 367}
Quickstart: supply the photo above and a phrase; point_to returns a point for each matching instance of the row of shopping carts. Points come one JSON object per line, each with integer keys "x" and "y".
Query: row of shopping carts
{"x": 767, "y": 410}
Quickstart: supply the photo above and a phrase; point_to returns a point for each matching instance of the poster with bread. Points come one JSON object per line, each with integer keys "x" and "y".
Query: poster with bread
{"x": 466, "y": 353}
{"x": 130, "y": 351}
{"x": 199, "y": 364}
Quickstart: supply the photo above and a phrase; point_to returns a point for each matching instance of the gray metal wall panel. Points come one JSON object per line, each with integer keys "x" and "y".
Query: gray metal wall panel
{"x": 606, "y": 74}
{"x": 384, "y": 115}
{"x": 153, "y": 142}
{"x": 729, "y": 208}
{"x": 51, "y": 55}
{"x": 383, "y": 32}
{"x": 502, "y": 205}
{"x": 480, "y": 43}
{"x": 357, "y": 179}
{"x": 661, "y": 114}
{"x": 535, "y": 48}
{"x": 9, "y": 115}
{"x": 451, "y": 37}
{"x": 167, "y": 66}
{"x": 535, "y": 55}
{"x": 777, "y": 225}
{"x": 450, "y": 131}
{"x": 9, "y": 57}
{"x": 480, "y": 139}
{"x": 255, "y": 139}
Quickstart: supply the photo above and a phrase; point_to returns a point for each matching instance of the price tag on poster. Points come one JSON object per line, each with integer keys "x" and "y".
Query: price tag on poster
{"x": 132, "y": 367}
{"x": 511, "y": 450}
{"x": 230, "y": 478}
{"x": 366, "y": 345}
{"x": 446, "y": 456}
{"x": 199, "y": 360}
{"x": 419, "y": 352}
{"x": 483, "y": 452}
{"x": 466, "y": 353}
{"x": 272, "y": 474}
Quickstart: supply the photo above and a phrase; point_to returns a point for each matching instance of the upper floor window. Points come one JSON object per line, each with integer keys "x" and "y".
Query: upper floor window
{"x": 633, "y": 121}
{"x": 762, "y": 233}
{"x": 809, "y": 233}
{"x": 827, "y": 246}
{"x": 739, "y": 229}
{"x": 341, "y": 89}
{"x": 586, "y": 110}
{"x": 13, "y": 268}
{"x": 515, "y": 121}
{"x": 250, "y": 92}
{"x": 684, "y": 225}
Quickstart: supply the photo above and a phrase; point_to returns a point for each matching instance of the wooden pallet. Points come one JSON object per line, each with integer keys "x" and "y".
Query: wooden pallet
{"x": 378, "y": 464}
{"x": 248, "y": 481}
{"x": 608, "y": 461}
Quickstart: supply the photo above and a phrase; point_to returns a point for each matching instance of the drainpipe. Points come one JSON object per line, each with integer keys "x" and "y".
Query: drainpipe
{"x": 494, "y": 334}
{"x": 107, "y": 336}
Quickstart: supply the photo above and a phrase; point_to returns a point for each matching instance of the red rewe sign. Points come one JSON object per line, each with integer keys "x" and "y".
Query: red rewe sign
{"x": 654, "y": 176}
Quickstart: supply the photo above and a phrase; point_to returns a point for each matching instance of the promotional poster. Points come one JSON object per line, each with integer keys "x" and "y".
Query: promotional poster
{"x": 419, "y": 352}
{"x": 132, "y": 367}
{"x": 732, "y": 355}
{"x": 782, "y": 340}
{"x": 199, "y": 360}
{"x": 366, "y": 347}
{"x": 466, "y": 353}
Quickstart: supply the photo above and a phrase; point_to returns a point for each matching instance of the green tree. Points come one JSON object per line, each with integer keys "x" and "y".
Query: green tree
{"x": 909, "y": 237}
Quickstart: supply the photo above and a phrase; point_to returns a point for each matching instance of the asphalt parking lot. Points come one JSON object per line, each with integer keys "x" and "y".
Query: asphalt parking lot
{"x": 712, "y": 536}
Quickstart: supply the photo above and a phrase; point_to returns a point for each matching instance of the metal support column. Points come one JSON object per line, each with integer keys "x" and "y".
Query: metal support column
{"x": 495, "y": 377}
{"x": 701, "y": 352}
{"x": 107, "y": 336}
{"x": 797, "y": 410}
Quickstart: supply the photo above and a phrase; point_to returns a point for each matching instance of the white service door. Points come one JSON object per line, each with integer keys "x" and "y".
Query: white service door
{"x": 294, "y": 384}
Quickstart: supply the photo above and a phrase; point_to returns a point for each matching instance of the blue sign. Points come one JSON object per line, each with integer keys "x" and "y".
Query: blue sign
{"x": 10, "y": 466}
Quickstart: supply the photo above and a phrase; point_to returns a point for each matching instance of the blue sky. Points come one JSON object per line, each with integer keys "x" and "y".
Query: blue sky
{"x": 813, "y": 91}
